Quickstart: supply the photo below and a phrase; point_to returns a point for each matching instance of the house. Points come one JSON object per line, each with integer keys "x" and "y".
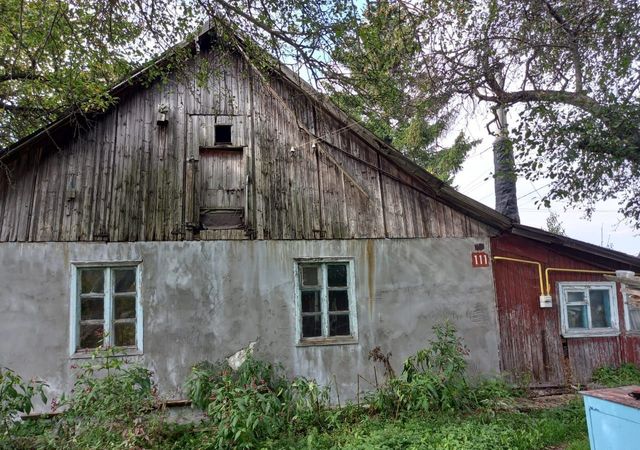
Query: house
{"x": 188, "y": 221}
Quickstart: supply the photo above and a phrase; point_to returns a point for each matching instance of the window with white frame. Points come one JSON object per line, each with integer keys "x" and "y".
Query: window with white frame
{"x": 588, "y": 309}
{"x": 106, "y": 307}
{"x": 325, "y": 302}
{"x": 632, "y": 307}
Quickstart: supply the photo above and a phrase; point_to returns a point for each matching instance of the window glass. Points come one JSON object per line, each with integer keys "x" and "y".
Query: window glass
{"x": 124, "y": 280}
{"x": 125, "y": 307}
{"x": 600, "y": 303}
{"x": 337, "y": 275}
{"x": 311, "y": 325}
{"x": 310, "y": 275}
{"x": 577, "y": 316}
{"x": 91, "y": 335}
{"x": 92, "y": 281}
{"x": 339, "y": 325}
{"x": 91, "y": 308}
{"x": 125, "y": 334}
{"x": 338, "y": 301}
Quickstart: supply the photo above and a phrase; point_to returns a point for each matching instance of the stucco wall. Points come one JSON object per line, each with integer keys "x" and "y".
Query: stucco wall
{"x": 206, "y": 300}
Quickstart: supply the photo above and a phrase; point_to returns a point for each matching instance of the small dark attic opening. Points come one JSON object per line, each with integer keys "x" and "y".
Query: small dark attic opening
{"x": 222, "y": 135}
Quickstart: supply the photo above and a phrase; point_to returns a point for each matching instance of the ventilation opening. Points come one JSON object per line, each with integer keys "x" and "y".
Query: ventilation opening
{"x": 222, "y": 135}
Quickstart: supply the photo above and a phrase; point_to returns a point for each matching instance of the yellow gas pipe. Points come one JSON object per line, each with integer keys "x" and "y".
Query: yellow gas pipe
{"x": 504, "y": 258}
{"x": 557, "y": 269}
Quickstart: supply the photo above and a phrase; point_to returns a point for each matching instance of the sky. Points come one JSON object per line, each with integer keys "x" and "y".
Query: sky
{"x": 606, "y": 227}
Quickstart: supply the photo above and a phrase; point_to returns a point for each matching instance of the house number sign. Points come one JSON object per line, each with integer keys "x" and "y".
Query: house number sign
{"x": 479, "y": 259}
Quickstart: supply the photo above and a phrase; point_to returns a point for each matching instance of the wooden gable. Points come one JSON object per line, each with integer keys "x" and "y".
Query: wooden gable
{"x": 293, "y": 169}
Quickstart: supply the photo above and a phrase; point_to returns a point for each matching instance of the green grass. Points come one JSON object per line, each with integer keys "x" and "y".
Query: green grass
{"x": 563, "y": 426}
{"x": 505, "y": 430}
{"x": 624, "y": 375}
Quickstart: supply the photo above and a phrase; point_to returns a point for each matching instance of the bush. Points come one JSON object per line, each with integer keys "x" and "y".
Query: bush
{"x": 114, "y": 403}
{"x": 432, "y": 379}
{"x": 16, "y": 396}
{"x": 624, "y": 375}
{"x": 257, "y": 402}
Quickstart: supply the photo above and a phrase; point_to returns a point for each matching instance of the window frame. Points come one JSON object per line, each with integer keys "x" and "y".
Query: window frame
{"x": 325, "y": 339}
{"x": 108, "y": 268}
{"x": 613, "y": 330}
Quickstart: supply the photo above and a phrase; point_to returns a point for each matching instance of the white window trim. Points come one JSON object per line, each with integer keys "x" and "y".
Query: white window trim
{"x": 74, "y": 304}
{"x": 353, "y": 316}
{"x": 614, "y": 330}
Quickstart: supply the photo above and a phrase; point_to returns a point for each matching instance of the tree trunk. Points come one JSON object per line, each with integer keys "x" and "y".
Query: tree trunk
{"x": 505, "y": 171}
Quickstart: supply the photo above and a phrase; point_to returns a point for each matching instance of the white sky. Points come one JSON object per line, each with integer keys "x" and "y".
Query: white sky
{"x": 606, "y": 227}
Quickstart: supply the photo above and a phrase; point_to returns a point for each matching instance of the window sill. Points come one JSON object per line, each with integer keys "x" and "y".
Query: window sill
{"x": 591, "y": 334}
{"x": 120, "y": 353}
{"x": 316, "y": 342}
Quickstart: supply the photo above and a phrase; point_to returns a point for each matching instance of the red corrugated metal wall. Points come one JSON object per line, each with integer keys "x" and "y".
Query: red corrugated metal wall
{"x": 531, "y": 345}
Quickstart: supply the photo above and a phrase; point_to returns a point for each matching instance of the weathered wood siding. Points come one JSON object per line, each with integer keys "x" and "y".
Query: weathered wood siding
{"x": 531, "y": 344}
{"x": 124, "y": 177}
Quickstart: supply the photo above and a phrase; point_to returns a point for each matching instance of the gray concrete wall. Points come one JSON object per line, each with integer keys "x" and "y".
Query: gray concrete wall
{"x": 206, "y": 300}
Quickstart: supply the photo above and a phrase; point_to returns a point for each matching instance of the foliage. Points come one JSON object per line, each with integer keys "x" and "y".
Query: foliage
{"x": 256, "y": 402}
{"x": 554, "y": 225}
{"x": 380, "y": 61}
{"x": 114, "y": 403}
{"x": 432, "y": 380}
{"x": 508, "y": 430}
{"x": 568, "y": 68}
{"x": 624, "y": 375}
{"x": 16, "y": 396}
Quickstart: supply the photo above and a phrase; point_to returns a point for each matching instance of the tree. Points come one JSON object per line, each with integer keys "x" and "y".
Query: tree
{"x": 570, "y": 67}
{"x": 60, "y": 55}
{"x": 554, "y": 225}
{"x": 379, "y": 61}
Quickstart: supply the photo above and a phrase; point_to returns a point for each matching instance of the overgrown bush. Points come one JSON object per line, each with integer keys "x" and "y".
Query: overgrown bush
{"x": 16, "y": 396}
{"x": 114, "y": 403}
{"x": 624, "y": 375}
{"x": 256, "y": 402}
{"x": 432, "y": 379}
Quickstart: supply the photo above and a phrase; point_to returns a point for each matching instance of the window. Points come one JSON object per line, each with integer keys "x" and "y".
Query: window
{"x": 325, "y": 301}
{"x": 106, "y": 307}
{"x": 222, "y": 135}
{"x": 588, "y": 309}
{"x": 632, "y": 307}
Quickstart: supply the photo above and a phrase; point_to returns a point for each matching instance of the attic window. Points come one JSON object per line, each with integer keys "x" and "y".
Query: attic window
{"x": 222, "y": 135}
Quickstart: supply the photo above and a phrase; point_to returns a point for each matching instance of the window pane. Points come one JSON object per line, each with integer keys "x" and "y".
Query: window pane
{"x": 92, "y": 281}
{"x": 575, "y": 297}
{"x": 125, "y": 334}
{"x": 91, "y": 335}
{"x": 91, "y": 309}
{"x": 339, "y": 325}
{"x": 125, "y": 307}
{"x": 125, "y": 280}
{"x": 634, "y": 317}
{"x": 338, "y": 301}
{"x": 337, "y": 275}
{"x": 311, "y": 326}
{"x": 577, "y": 316}
{"x": 600, "y": 308}
{"x": 310, "y": 276}
{"x": 310, "y": 301}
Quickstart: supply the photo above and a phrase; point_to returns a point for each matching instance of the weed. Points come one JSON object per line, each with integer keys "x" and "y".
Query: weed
{"x": 16, "y": 396}
{"x": 624, "y": 375}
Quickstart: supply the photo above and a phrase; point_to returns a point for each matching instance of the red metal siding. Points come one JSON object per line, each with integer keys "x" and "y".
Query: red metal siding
{"x": 531, "y": 345}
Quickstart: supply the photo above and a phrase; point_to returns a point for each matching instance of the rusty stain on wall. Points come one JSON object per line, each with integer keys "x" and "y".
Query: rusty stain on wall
{"x": 371, "y": 275}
